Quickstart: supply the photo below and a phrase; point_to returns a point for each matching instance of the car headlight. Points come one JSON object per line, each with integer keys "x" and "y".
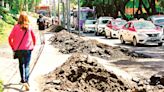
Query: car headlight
{"x": 101, "y": 27}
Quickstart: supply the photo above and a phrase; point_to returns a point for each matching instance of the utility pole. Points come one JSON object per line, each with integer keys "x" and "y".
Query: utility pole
{"x": 59, "y": 11}
{"x": 79, "y": 17}
{"x": 68, "y": 15}
{"x": 63, "y": 6}
{"x": 133, "y": 8}
{"x": 54, "y": 7}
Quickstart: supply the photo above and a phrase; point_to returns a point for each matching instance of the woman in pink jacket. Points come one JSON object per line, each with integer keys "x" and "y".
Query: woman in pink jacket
{"x": 22, "y": 31}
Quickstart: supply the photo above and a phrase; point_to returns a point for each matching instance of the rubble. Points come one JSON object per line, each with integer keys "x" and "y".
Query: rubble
{"x": 71, "y": 43}
{"x": 80, "y": 73}
{"x": 157, "y": 79}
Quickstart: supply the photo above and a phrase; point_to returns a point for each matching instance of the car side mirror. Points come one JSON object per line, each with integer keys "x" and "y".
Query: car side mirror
{"x": 158, "y": 28}
{"x": 109, "y": 25}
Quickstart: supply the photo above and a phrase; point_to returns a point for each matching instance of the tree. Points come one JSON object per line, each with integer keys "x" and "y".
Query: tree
{"x": 17, "y": 5}
{"x": 112, "y": 7}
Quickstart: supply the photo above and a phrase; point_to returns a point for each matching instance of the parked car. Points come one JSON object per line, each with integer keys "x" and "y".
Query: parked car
{"x": 158, "y": 20}
{"x": 113, "y": 27}
{"x": 89, "y": 26}
{"x": 141, "y": 32}
{"x": 100, "y": 25}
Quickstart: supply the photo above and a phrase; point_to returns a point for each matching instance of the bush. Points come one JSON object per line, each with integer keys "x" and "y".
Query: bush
{"x": 4, "y": 28}
{"x": 1, "y": 86}
{"x": 9, "y": 19}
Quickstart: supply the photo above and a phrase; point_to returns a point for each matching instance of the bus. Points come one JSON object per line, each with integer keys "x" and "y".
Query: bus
{"x": 44, "y": 10}
{"x": 85, "y": 13}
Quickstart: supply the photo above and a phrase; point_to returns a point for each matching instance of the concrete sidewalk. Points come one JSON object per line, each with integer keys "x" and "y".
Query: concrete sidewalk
{"x": 49, "y": 60}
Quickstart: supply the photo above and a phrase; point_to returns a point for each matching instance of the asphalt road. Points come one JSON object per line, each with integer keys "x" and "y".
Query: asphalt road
{"x": 140, "y": 68}
{"x": 152, "y": 50}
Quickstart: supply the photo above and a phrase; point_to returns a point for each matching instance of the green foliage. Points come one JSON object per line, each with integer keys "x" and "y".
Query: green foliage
{"x": 4, "y": 28}
{"x": 1, "y": 86}
{"x": 7, "y": 17}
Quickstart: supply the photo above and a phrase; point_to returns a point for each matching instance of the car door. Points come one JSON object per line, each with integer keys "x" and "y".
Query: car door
{"x": 125, "y": 32}
{"x": 130, "y": 32}
{"x": 108, "y": 28}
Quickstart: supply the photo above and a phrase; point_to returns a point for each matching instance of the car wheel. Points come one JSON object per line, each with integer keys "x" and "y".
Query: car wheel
{"x": 106, "y": 35}
{"x": 97, "y": 33}
{"x": 135, "y": 41}
{"x": 84, "y": 30}
{"x": 122, "y": 40}
{"x": 160, "y": 44}
{"x": 110, "y": 35}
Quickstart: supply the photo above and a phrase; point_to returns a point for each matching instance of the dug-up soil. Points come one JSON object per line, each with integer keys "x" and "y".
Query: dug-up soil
{"x": 71, "y": 43}
{"x": 80, "y": 73}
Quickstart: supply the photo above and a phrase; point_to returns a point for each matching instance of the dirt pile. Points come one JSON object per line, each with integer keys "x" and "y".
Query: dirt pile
{"x": 157, "y": 79}
{"x": 71, "y": 43}
{"x": 80, "y": 73}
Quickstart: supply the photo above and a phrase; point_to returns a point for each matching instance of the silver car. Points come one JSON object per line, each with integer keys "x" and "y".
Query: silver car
{"x": 89, "y": 26}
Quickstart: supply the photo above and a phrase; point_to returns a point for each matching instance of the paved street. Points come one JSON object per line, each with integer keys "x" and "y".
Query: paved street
{"x": 143, "y": 68}
{"x": 153, "y": 50}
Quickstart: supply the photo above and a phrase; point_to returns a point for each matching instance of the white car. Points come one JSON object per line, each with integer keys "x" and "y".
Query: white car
{"x": 101, "y": 24}
{"x": 113, "y": 27}
{"x": 141, "y": 32}
{"x": 89, "y": 26}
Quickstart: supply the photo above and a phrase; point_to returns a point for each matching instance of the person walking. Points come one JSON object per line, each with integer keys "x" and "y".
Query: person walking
{"x": 41, "y": 27}
{"x": 22, "y": 39}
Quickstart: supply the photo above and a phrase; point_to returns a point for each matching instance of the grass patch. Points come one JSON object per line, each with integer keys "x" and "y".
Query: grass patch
{"x": 4, "y": 31}
{"x": 1, "y": 86}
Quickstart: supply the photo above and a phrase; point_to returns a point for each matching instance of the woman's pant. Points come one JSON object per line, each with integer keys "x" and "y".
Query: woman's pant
{"x": 24, "y": 68}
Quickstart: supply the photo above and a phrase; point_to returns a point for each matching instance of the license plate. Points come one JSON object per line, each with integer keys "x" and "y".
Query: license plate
{"x": 153, "y": 39}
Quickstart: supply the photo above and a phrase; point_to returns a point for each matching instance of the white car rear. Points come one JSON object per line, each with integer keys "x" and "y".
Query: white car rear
{"x": 101, "y": 24}
{"x": 89, "y": 26}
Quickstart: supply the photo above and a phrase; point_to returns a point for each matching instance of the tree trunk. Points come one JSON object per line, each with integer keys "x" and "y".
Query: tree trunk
{"x": 152, "y": 5}
{"x": 146, "y": 8}
{"x": 118, "y": 8}
{"x": 139, "y": 11}
{"x": 1, "y": 1}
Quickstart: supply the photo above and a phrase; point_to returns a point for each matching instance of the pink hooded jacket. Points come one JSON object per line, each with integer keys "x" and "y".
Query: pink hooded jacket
{"x": 16, "y": 36}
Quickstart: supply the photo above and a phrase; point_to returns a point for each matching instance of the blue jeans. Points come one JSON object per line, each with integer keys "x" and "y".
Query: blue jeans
{"x": 24, "y": 69}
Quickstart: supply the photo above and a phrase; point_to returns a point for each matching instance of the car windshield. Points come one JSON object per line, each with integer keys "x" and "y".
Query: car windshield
{"x": 159, "y": 21}
{"x": 144, "y": 25}
{"x": 90, "y": 21}
{"x": 119, "y": 23}
{"x": 103, "y": 21}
